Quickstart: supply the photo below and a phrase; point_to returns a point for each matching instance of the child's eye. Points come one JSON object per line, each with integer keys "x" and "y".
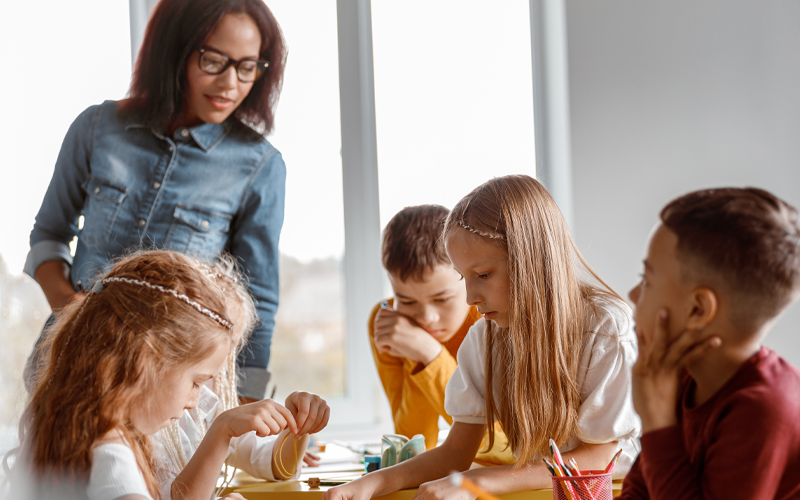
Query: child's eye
{"x": 642, "y": 279}
{"x": 460, "y": 277}
{"x": 443, "y": 300}
{"x": 411, "y": 303}
{"x": 483, "y": 276}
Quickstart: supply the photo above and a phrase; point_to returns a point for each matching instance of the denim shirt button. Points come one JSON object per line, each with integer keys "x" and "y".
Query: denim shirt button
{"x": 156, "y": 185}
{"x": 96, "y": 190}
{"x": 170, "y": 148}
{"x": 204, "y": 223}
{"x": 185, "y": 133}
{"x": 142, "y": 222}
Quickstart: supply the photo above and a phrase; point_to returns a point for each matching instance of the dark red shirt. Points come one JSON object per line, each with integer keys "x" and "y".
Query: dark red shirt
{"x": 744, "y": 442}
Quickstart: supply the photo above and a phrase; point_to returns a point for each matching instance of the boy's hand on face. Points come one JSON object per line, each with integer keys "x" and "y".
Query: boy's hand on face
{"x": 398, "y": 335}
{"x": 656, "y": 374}
{"x": 265, "y": 417}
{"x": 310, "y": 411}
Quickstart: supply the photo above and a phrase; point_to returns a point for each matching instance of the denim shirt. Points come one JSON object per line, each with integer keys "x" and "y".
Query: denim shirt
{"x": 205, "y": 190}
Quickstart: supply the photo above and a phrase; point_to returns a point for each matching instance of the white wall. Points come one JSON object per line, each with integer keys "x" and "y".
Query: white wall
{"x": 673, "y": 96}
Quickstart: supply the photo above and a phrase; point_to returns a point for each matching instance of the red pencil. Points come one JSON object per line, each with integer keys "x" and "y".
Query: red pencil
{"x": 613, "y": 462}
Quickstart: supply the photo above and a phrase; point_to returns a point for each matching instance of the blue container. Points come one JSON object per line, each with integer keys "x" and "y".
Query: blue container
{"x": 372, "y": 463}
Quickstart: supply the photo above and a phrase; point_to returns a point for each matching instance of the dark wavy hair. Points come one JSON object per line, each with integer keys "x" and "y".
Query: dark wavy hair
{"x": 175, "y": 30}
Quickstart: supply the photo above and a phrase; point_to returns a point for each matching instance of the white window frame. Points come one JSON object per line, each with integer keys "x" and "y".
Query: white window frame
{"x": 363, "y": 409}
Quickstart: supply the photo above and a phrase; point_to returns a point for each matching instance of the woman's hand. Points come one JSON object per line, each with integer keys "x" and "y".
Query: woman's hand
{"x": 656, "y": 374}
{"x": 310, "y": 411}
{"x": 442, "y": 489}
{"x": 265, "y": 417}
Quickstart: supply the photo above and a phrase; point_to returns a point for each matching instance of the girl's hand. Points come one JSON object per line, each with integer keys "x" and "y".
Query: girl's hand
{"x": 398, "y": 335}
{"x": 354, "y": 490}
{"x": 265, "y": 417}
{"x": 310, "y": 411}
{"x": 310, "y": 459}
{"x": 442, "y": 489}
{"x": 656, "y": 374}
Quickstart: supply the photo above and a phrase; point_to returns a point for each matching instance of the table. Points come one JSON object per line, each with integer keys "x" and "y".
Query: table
{"x": 253, "y": 489}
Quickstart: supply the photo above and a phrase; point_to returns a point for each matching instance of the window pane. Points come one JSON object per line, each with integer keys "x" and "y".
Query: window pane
{"x": 37, "y": 113}
{"x": 453, "y": 97}
{"x": 308, "y": 351}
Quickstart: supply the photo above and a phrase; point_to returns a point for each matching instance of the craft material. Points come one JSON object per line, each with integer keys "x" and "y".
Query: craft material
{"x": 396, "y": 448}
{"x": 372, "y": 463}
{"x": 460, "y": 481}
{"x": 315, "y": 482}
{"x": 571, "y": 483}
{"x": 283, "y": 470}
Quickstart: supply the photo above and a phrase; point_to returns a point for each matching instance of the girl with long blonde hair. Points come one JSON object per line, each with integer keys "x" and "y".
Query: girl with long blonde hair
{"x": 551, "y": 357}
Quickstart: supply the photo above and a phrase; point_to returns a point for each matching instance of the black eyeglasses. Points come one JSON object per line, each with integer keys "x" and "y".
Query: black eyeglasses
{"x": 214, "y": 62}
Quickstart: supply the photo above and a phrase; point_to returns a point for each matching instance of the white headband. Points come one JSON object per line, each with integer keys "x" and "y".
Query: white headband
{"x": 482, "y": 233}
{"x": 98, "y": 287}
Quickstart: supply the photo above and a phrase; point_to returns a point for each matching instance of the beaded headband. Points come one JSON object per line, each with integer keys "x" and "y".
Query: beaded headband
{"x": 482, "y": 233}
{"x": 98, "y": 287}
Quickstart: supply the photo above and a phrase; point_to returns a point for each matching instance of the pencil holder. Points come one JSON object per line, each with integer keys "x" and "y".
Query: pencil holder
{"x": 591, "y": 485}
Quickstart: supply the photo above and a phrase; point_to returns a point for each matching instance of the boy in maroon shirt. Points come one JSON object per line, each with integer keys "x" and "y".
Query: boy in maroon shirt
{"x": 720, "y": 413}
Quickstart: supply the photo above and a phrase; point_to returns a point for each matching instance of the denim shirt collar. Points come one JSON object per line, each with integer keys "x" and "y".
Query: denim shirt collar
{"x": 206, "y": 135}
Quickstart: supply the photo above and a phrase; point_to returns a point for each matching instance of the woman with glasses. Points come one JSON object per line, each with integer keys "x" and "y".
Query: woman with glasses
{"x": 181, "y": 164}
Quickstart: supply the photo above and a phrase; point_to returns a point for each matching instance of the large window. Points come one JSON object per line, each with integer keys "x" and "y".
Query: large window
{"x": 65, "y": 58}
{"x": 309, "y": 345}
{"x": 453, "y": 98}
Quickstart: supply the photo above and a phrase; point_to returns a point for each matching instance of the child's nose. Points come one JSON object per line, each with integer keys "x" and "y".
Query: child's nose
{"x": 473, "y": 298}
{"x": 634, "y": 293}
{"x": 193, "y": 400}
{"x": 428, "y": 316}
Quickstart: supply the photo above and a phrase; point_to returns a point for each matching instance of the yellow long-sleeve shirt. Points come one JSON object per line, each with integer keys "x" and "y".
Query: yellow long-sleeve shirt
{"x": 416, "y": 392}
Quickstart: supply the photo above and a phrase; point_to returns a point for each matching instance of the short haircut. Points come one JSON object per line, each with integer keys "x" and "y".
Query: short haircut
{"x": 175, "y": 30}
{"x": 412, "y": 242}
{"x": 746, "y": 240}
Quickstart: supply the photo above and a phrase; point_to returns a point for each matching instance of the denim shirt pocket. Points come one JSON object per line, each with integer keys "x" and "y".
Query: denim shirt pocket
{"x": 100, "y": 209}
{"x": 198, "y": 231}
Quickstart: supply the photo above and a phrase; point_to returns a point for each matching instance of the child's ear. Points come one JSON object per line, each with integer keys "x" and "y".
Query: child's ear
{"x": 705, "y": 306}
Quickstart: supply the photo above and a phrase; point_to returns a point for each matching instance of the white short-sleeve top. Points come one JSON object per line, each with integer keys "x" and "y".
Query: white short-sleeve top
{"x": 248, "y": 452}
{"x": 604, "y": 376}
{"x": 115, "y": 473}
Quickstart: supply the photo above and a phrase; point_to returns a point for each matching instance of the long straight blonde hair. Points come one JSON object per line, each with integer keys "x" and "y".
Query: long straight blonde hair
{"x": 551, "y": 293}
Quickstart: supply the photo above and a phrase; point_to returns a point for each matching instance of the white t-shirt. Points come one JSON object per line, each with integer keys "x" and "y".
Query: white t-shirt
{"x": 115, "y": 473}
{"x": 604, "y": 377}
{"x": 249, "y": 452}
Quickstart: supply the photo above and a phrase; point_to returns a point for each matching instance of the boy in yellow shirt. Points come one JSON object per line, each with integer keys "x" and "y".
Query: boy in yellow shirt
{"x": 416, "y": 335}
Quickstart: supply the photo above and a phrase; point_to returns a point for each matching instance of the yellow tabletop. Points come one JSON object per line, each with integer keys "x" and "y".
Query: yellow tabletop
{"x": 253, "y": 489}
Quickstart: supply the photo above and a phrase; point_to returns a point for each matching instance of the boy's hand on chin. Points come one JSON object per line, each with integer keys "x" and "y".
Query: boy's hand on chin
{"x": 310, "y": 411}
{"x": 398, "y": 335}
{"x": 656, "y": 374}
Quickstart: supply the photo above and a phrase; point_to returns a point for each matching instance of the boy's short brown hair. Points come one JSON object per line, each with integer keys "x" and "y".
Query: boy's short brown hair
{"x": 412, "y": 242}
{"x": 746, "y": 240}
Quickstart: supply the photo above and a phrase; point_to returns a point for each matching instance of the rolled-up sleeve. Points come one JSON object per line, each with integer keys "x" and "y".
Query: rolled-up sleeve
{"x": 57, "y": 221}
{"x": 465, "y": 395}
{"x": 254, "y": 242}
